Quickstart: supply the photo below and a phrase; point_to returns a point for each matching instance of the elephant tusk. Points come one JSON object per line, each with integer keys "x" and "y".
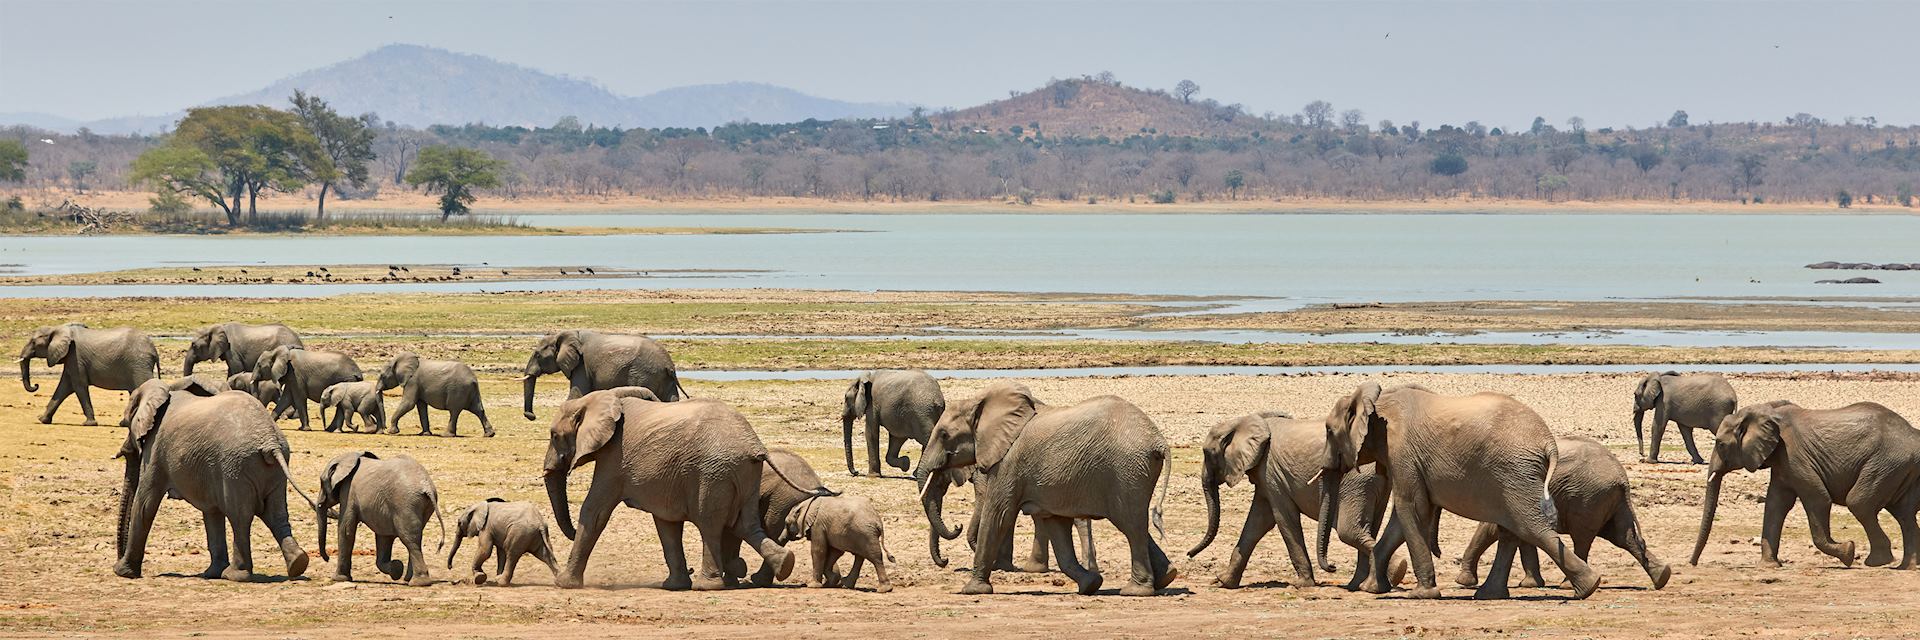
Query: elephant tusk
{"x": 1316, "y": 476}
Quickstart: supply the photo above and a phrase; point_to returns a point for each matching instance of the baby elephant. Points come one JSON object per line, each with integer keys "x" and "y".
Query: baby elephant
{"x": 834, "y": 525}
{"x": 392, "y": 497}
{"x": 348, "y": 399}
{"x": 511, "y": 529}
{"x": 266, "y": 391}
{"x": 438, "y": 384}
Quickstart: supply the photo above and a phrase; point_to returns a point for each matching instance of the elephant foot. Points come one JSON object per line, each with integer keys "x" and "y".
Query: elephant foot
{"x": 1584, "y": 584}
{"x": 420, "y": 581}
{"x": 1660, "y": 575}
{"x": 46, "y": 419}
{"x": 1846, "y": 556}
{"x": 1030, "y": 565}
{"x": 125, "y": 570}
{"x": 1397, "y": 572}
{"x": 479, "y": 578}
{"x": 977, "y": 587}
{"x": 709, "y": 583}
{"x": 816, "y": 583}
{"x": 1429, "y": 593}
{"x": 1467, "y": 577}
{"x": 736, "y": 567}
{"x": 1492, "y": 590}
{"x": 1137, "y": 589}
{"x": 1355, "y": 584}
{"x": 1770, "y": 563}
{"x": 677, "y": 583}
{"x": 528, "y": 415}
{"x": 488, "y": 433}
{"x": 1697, "y": 460}
{"x": 214, "y": 570}
{"x": 1226, "y": 581}
{"x": 883, "y": 587}
{"x": 393, "y": 568}
{"x": 1170, "y": 574}
{"x": 1376, "y": 586}
{"x": 294, "y": 556}
{"x": 1532, "y": 582}
{"x": 342, "y": 577}
{"x": 785, "y": 565}
{"x": 763, "y": 577}
{"x": 1088, "y": 585}
{"x": 1880, "y": 558}
{"x": 1650, "y": 460}
{"x": 90, "y": 423}
{"x": 898, "y": 463}
{"x": 567, "y": 581}
{"x": 237, "y": 575}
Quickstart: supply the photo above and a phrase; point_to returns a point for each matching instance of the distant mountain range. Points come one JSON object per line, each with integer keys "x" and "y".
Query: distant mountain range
{"x": 420, "y": 86}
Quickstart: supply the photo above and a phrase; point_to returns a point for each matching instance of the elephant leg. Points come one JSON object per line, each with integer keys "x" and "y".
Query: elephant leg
{"x": 872, "y": 435}
{"x": 1909, "y": 535}
{"x": 1530, "y": 561}
{"x": 713, "y": 557}
{"x": 821, "y": 563}
{"x": 1484, "y": 536}
{"x": 882, "y": 584}
{"x": 1392, "y": 537}
{"x": 453, "y": 422}
{"x": 746, "y": 528}
{"x": 853, "y": 573}
{"x": 240, "y": 554}
{"x": 1259, "y": 522}
{"x": 1879, "y": 547}
{"x": 894, "y": 458}
{"x": 1417, "y": 516}
{"x": 480, "y": 411}
{"x": 1819, "y": 509}
{"x": 993, "y": 529}
{"x": 486, "y": 547}
{"x": 1623, "y": 530}
{"x": 84, "y": 394}
{"x": 734, "y": 567}
{"x": 60, "y": 393}
{"x": 1090, "y": 555}
{"x": 217, "y": 560}
{"x": 1287, "y": 518}
{"x": 1659, "y": 429}
{"x": 1146, "y": 578}
{"x": 545, "y": 554}
{"x": 1495, "y": 587}
{"x": 383, "y": 558}
{"x": 506, "y": 573}
{"x": 1780, "y": 501}
{"x": 1686, "y": 436}
{"x": 1059, "y": 533}
{"x": 297, "y": 395}
{"x": 146, "y": 503}
{"x": 1532, "y": 528}
{"x": 341, "y": 422}
{"x": 673, "y": 548}
{"x": 418, "y": 573}
{"x": 281, "y": 527}
{"x": 405, "y": 406}
{"x": 420, "y": 410}
{"x": 1036, "y": 560}
{"x": 344, "y": 531}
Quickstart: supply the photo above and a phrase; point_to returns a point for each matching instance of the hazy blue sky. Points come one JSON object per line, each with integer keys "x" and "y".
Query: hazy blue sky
{"x": 1444, "y": 61}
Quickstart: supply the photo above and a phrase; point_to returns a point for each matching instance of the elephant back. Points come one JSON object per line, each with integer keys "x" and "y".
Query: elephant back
{"x": 703, "y": 428}
{"x": 228, "y": 428}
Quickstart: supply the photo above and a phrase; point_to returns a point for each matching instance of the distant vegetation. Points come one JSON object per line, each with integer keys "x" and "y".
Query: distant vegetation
{"x": 1087, "y": 139}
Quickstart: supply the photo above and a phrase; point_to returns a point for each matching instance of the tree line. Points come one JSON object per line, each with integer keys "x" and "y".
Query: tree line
{"x": 221, "y": 154}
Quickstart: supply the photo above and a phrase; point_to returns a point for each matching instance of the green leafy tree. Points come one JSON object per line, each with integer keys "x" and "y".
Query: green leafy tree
{"x": 175, "y": 170}
{"x": 1552, "y": 184}
{"x": 241, "y": 150}
{"x": 1234, "y": 181}
{"x": 13, "y": 161}
{"x": 1644, "y": 156}
{"x": 1185, "y": 90}
{"x": 78, "y": 170}
{"x": 1679, "y": 119}
{"x": 454, "y": 172}
{"x": 1447, "y": 164}
{"x": 346, "y": 142}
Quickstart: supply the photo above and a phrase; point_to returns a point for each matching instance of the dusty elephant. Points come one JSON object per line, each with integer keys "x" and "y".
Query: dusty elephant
{"x": 393, "y": 497}
{"x": 1097, "y": 459}
{"x": 1593, "y": 498}
{"x": 220, "y": 453}
{"x": 238, "y": 345}
{"x": 266, "y": 391}
{"x": 837, "y": 525}
{"x": 594, "y": 361}
{"x": 695, "y": 461}
{"x": 114, "y": 359}
{"x": 506, "y": 531}
{"x": 786, "y": 481}
{"x": 349, "y": 399}
{"x": 437, "y": 384}
{"x": 1280, "y": 456}
{"x": 1862, "y": 456}
{"x": 905, "y": 403}
{"x": 1692, "y": 401}
{"x": 303, "y": 375}
{"x": 1484, "y": 457}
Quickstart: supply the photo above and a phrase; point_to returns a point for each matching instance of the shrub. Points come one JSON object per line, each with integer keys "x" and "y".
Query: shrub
{"x": 168, "y": 202}
{"x": 1845, "y": 199}
{"x": 1163, "y": 196}
{"x": 1447, "y": 164}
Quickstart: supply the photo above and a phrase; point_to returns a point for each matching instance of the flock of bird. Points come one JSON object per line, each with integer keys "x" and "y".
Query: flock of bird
{"x": 395, "y": 273}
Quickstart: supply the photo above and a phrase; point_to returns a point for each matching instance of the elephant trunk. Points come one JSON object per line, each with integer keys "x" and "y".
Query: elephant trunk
{"x": 1710, "y": 504}
{"x": 26, "y": 374}
{"x": 459, "y": 536}
{"x": 192, "y": 359}
{"x": 320, "y": 516}
{"x": 1210, "y": 486}
{"x": 526, "y": 406}
{"x": 932, "y": 498}
{"x": 846, "y": 438}
{"x": 128, "y": 486}
{"x": 557, "y": 494}
{"x": 1329, "y": 510}
{"x": 1639, "y": 440}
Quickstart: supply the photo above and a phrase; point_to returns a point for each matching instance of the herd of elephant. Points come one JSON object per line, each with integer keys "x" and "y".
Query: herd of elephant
{"x": 1486, "y": 457}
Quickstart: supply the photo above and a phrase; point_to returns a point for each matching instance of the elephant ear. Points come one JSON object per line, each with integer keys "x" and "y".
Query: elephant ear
{"x": 281, "y": 362}
{"x": 1649, "y": 392}
{"x": 149, "y": 403}
{"x": 474, "y": 520}
{"x": 568, "y": 357}
{"x": 1245, "y": 445}
{"x": 339, "y": 472}
{"x": 1366, "y": 401}
{"x": 60, "y": 344}
{"x": 861, "y": 393}
{"x": 196, "y": 386}
{"x": 217, "y": 339}
{"x": 1761, "y": 436}
{"x": 1003, "y": 412}
{"x": 601, "y": 414}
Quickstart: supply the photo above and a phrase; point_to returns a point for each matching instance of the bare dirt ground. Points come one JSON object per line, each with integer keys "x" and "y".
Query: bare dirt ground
{"x": 58, "y": 488}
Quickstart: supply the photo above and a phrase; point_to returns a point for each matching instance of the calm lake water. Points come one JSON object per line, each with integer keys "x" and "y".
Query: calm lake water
{"x": 1300, "y": 258}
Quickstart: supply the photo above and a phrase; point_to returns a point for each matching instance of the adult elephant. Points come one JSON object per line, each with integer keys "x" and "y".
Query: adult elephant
{"x": 1485, "y": 457}
{"x": 694, "y": 461}
{"x": 220, "y": 453}
{"x": 434, "y": 384}
{"x": 594, "y": 361}
{"x": 1862, "y": 456}
{"x": 1593, "y": 499}
{"x": 238, "y": 345}
{"x": 1693, "y": 401}
{"x": 114, "y": 359}
{"x": 906, "y": 403}
{"x": 1280, "y": 456}
{"x": 1096, "y": 459}
{"x": 786, "y": 480}
{"x": 303, "y": 376}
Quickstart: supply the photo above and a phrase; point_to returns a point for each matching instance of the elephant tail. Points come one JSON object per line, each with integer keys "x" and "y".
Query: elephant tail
{"x": 1547, "y": 507}
{"x": 276, "y": 456}
{"x": 443, "y": 527}
{"x": 815, "y": 491}
{"x": 680, "y": 387}
{"x": 1158, "y": 514}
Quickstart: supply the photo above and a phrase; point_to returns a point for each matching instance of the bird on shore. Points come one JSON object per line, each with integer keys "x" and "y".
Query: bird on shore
{"x": 392, "y": 268}
{"x": 196, "y": 269}
{"x": 563, "y": 272}
{"x": 456, "y": 271}
{"x": 404, "y": 269}
{"x": 310, "y": 274}
{"x": 243, "y": 271}
{"x": 589, "y": 270}
{"x": 504, "y": 272}
{"x": 323, "y": 269}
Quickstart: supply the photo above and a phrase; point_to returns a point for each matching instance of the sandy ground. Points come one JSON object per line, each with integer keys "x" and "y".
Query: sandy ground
{"x": 396, "y": 200}
{"x": 58, "y": 486}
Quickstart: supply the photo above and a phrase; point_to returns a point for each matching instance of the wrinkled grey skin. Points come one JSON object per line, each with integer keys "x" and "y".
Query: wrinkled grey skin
{"x": 1862, "y": 456}
{"x": 1281, "y": 456}
{"x": 786, "y": 480}
{"x": 692, "y": 461}
{"x": 349, "y": 399}
{"x": 113, "y": 359}
{"x": 303, "y": 375}
{"x": 220, "y": 453}
{"x": 1096, "y": 459}
{"x": 266, "y": 391}
{"x": 836, "y": 525}
{"x": 215, "y": 384}
{"x": 438, "y": 384}
{"x": 238, "y": 345}
{"x": 1484, "y": 457}
{"x": 393, "y": 497}
{"x": 594, "y": 361}
{"x": 1693, "y": 401}
{"x": 508, "y": 529}
{"x": 906, "y": 403}
{"x": 1036, "y": 558}
{"x": 1593, "y": 499}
